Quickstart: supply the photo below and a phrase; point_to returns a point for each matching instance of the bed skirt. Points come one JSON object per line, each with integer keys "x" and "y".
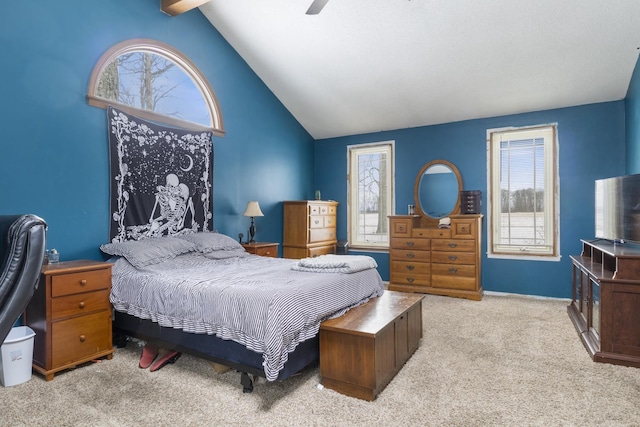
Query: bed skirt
{"x": 210, "y": 347}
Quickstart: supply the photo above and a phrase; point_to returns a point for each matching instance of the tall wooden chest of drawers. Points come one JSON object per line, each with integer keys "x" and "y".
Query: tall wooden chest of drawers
{"x": 442, "y": 261}
{"x": 70, "y": 313}
{"x": 309, "y": 228}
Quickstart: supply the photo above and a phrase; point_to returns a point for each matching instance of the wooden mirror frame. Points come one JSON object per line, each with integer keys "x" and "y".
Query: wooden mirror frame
{"x": 426, "y": 220}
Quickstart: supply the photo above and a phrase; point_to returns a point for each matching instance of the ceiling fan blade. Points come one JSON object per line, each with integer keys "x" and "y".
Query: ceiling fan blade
{"x": 316, "y": 7}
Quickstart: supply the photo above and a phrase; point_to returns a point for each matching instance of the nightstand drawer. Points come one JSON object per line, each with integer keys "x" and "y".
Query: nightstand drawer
{"x": 80, "y": 337}
{"x": 79, "y": 304}
{"x": 269, "y": 251}
{"x": 84, "y": 281}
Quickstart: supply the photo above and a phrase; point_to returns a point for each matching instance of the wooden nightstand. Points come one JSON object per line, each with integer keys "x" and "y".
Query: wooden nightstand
{"x": 262, "y": 248}
{"x": 70, "y": 313}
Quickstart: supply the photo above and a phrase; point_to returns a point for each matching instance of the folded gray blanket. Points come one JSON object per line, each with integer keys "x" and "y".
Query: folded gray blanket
{"x": 335, "y": 264}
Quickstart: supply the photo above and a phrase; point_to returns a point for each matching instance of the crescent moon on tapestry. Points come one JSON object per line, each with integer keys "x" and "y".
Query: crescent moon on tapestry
{"x": 188, "y": 168}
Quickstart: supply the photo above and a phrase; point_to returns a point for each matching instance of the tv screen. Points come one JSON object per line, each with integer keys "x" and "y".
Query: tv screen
{"x": 618, "y": 208}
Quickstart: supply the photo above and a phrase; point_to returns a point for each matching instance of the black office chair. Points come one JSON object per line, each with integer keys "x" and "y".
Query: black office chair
{"x": 22, "y": 249}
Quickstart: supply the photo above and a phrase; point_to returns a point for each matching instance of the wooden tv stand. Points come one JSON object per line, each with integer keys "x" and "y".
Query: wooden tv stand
{"x": 605, "y": 307}
{"x": 363, "y": 350}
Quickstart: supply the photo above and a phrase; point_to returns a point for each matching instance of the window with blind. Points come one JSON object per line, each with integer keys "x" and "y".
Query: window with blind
{"x": 370, "y": 183}
{"x": 523, "y": 193}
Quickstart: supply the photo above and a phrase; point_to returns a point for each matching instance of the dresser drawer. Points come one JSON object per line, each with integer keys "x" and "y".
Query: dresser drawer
{"x": 322, "y": 234}
{"x": 410, "y": 255}
{"x": 453, "y": 257}
{"x": 84, "y": 281}
{"x": 462, "y": 229}
{"x": 322, "y": 222}
{"x": 75, "y": 304}
{"x": 80, "y": 337}
{"x": 454, "y": 245}
{"x": 410, "y": 279}
{"x": 321, "y": 209}
{"x": 400, "y": 227}
{"x": 438, "y": 233}
{"x": 410, "y": 267}
{"x": 453, "y": 276}
{"x": 321, "y": 250}
{"x": 413, "y": 244}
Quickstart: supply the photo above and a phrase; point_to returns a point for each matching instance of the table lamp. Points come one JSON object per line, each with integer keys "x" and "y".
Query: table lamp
{"x": 253, "y": 210}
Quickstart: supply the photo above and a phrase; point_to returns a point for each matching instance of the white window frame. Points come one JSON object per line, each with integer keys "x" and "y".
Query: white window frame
{"x": 353, "y": 208}
{"x": 550, "y": 249}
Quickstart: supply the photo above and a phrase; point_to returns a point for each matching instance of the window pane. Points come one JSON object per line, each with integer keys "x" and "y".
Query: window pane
{"x": 522, "y": 189}
{"x": 152, "y": 82}
{"x": 370, "y": 195}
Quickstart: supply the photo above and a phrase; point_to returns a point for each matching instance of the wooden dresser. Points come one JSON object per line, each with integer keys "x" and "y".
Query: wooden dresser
{"x": 605, "y": 308}
{"x": 309, "y": 228}
{"x": 442, "y": 261}
{"x": 70, "y": 313}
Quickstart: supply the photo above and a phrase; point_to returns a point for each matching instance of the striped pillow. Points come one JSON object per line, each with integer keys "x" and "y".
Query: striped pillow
{"x": 141, "y": 253}
{"x": 206, "y": 242}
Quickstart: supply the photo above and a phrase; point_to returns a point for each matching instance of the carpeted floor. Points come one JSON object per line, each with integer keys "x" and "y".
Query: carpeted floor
{"x": 503, "y": 361}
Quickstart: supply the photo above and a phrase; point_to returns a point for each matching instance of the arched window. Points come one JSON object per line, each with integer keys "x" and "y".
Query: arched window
{"x": 152, "y": 80}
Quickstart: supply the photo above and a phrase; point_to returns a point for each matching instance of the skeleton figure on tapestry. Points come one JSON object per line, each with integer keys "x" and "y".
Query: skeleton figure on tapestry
{"x": 171, "y": 208}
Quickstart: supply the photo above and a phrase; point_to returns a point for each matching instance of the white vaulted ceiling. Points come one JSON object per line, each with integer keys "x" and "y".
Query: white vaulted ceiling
{"x": 368, "y": 65}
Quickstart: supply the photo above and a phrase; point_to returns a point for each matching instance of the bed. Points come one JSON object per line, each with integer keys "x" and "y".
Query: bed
{"x": 202, "y": 294}
{"x": 179, "y": 284}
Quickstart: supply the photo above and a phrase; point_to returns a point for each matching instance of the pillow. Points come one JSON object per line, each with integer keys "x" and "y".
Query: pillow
{"x": 141, "y": 253}
{"x": 208, "y": 242}
{"x": 235, "y": 253}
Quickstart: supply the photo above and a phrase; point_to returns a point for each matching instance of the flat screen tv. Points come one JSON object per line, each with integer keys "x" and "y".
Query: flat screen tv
{"x": 618, "y": 208}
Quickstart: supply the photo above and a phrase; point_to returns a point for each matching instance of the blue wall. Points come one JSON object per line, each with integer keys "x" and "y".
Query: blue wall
{"x": 591, "y": 146}
{"x": 632, "y": 104}
{"x": 54, "y": 153}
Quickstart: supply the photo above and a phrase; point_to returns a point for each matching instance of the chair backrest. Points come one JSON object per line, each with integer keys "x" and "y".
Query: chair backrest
{"x": 22, "y": 249}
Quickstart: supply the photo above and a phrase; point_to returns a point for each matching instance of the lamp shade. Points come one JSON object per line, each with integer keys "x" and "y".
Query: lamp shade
{"x": 253, "y": 209}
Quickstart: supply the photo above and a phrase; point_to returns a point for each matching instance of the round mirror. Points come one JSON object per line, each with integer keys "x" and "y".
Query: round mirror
{"x": 437, "y": 190}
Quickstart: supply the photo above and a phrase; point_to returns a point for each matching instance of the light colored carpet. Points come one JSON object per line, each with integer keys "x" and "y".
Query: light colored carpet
{"x": 503, "y": 361}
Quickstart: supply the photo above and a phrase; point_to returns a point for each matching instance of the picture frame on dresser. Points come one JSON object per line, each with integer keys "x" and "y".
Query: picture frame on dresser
{"x": 432, "y": 256}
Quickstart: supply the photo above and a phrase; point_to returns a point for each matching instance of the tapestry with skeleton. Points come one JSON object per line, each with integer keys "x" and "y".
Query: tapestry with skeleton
{"x": 161, "y": 179}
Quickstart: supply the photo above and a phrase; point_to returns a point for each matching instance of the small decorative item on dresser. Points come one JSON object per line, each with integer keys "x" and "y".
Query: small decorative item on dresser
{"x": 471, "y": 202}
{"x": 318, "y": 196}
{"x": 411, "y": 209}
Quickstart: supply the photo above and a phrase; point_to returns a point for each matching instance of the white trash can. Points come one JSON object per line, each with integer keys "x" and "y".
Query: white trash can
{"x": 16, "y": 356}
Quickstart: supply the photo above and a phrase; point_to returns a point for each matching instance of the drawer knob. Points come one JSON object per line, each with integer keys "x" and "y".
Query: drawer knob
{"x": 453, "y": 270}
{"x": 410, "y": 244}
{"x": 83, "y": 282}
{"x": 453, "y": 244}
{"x": 463, "y": 229}
{"x": 81, "y": 305}
{"x": 410, "y": 267}
{"x": 83, "y": 338}
{"x": 410, "y": 255}
{"x": 453, "y": 257}
{"x": 316, "y": 221}
{"x": 410, "y": 279}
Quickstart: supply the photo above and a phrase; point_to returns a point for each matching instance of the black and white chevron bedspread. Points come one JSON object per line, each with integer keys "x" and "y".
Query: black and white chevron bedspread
{"x": 256, "y": 301}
